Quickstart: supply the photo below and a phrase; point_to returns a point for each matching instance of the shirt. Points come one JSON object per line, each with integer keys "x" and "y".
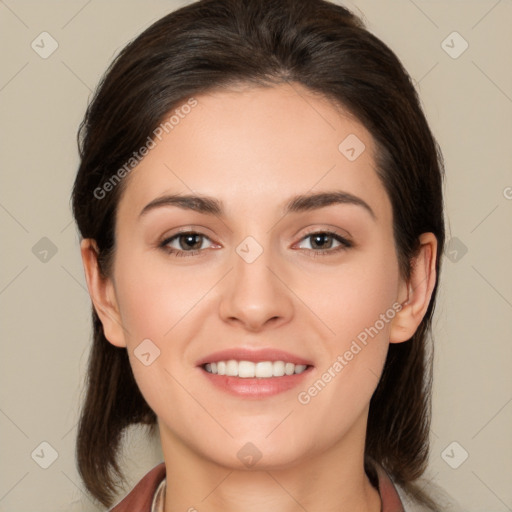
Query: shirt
{"x": 149, "y": 494}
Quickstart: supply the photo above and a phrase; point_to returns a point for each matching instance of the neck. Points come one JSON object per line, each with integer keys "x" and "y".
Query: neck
{"x": 333, "y": 481}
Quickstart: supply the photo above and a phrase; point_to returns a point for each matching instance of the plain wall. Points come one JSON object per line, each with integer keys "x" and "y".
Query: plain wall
{"x": 45, "y": 308}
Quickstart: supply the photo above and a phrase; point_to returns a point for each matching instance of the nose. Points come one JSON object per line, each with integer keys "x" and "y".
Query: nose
{"x": 255, "y": 295}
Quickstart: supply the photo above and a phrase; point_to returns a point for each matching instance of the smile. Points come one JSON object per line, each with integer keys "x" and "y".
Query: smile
{"x": 249, "y": 369}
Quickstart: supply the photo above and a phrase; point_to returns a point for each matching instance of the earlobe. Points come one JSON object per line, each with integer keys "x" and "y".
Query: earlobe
{"x": 415, "y": 295}
{"x": 102, "y": 293}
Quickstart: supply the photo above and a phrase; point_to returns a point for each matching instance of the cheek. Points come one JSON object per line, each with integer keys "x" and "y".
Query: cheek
{"x": 158, "y": 306}
{"x": 351, "y": 298}
{"x": 154, "y": 297}
{"x": 358, "y": 304}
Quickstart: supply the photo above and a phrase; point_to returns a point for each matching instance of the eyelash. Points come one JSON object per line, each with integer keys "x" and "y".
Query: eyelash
{"x": 344, "y": 244}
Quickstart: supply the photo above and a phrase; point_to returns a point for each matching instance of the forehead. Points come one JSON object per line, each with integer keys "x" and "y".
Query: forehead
{"x": 258, "y": 146}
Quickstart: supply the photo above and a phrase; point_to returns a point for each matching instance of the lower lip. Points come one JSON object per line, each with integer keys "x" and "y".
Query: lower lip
{"x": 256, "y": 387}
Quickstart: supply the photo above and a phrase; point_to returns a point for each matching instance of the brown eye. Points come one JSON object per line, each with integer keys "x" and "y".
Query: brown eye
{"x": 185, "y": 244}
{"x": 326, "y": 242}
{"x": 190, "y": 241}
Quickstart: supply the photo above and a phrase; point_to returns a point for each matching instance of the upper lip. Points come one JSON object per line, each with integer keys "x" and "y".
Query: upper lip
{"x": 243, "y": 354}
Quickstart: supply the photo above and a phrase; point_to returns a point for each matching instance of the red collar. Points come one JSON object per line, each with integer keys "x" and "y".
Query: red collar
{"x": 388, "y": 493}
{"x": 141, "y": 496}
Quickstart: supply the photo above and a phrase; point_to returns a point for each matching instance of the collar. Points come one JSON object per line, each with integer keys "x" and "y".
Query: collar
{"x": 149, "y": 494}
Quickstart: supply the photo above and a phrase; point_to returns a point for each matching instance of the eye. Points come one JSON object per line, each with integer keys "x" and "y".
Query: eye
{"x": 187, "y": 243}
{"x": 191, "y": 243}
{"x": 325, "y": 242}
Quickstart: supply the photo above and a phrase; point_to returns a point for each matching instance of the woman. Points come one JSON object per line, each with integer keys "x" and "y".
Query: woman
{"x": 260, "y": 205}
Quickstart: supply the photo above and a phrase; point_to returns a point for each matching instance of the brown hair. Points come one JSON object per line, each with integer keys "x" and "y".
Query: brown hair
{"x": 218, "y": 43}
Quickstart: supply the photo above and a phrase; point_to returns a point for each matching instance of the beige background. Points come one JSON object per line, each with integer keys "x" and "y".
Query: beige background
{"x": 44, "y": 303}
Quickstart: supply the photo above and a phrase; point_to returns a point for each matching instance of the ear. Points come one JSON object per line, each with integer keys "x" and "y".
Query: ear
{"x": 102, "y": 292}
{"x": 415, "y": 294}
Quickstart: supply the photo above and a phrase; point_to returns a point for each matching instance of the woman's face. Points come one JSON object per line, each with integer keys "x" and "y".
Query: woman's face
{"x": 271, "y": 272}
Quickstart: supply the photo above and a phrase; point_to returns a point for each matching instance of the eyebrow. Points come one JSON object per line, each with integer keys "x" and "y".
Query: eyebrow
{"x": 300, "y": 203}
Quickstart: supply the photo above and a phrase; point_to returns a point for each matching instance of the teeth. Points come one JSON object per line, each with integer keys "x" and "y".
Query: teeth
{"x": 248, "y": 369}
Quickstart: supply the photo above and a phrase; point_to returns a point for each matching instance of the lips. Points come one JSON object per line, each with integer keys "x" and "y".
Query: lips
{"x": 255, "y": 356}
{"x": 254, "y": 374}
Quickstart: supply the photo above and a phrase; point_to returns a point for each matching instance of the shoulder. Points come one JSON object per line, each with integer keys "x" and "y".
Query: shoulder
{"x": 140, "y": 498}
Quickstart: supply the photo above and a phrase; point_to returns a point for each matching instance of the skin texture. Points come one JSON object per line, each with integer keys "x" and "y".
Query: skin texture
{"x": 253, "y": 149}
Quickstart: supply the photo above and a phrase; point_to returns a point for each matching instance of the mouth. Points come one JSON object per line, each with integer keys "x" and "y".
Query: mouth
{"x": 254, "y": 374}
{"x": 250, "y": 370}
